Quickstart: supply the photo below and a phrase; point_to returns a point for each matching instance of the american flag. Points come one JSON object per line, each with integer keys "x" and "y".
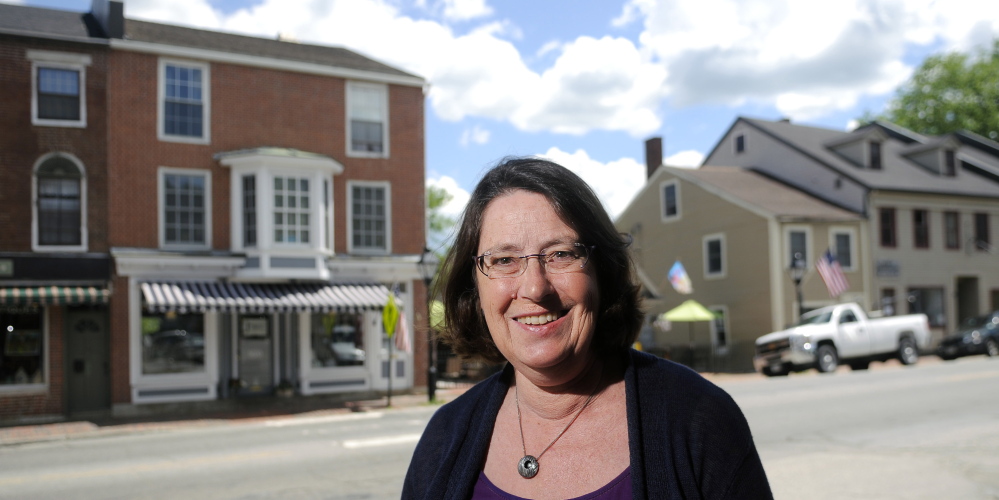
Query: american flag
{"x": 832, "y": 274}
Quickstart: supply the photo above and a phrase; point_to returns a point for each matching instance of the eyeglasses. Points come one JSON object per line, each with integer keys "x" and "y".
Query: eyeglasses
{"x": 567, "y": 258}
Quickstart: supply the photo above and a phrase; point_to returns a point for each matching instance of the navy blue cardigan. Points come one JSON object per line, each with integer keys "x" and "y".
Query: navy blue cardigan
{"x": 688, "y": 438}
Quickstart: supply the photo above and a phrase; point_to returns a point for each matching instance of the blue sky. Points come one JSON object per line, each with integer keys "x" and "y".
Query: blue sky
{"x": 586, "y": 82}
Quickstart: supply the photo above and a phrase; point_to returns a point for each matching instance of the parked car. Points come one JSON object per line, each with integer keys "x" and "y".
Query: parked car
{"x": 978, "y": 335}
{"x": 843, "y": 333}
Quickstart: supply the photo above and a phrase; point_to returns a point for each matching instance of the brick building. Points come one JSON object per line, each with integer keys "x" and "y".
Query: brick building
{"x": 253, "y": 203}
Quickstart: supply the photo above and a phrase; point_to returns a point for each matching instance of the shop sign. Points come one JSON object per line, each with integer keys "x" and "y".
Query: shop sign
{"x": 887, "y": 268}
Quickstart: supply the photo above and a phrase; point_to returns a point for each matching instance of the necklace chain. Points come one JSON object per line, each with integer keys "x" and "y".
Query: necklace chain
{"x": 520, "y": 422}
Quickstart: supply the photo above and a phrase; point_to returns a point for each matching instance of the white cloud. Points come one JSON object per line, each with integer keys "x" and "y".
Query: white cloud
{"x": 688, "y": 158}
{"x": 459, "y": 197}
{"x": 474, "y": 135}
{"x": 807, "y": 58}
{"x": 464, "y": 10}
{"x": 615, "y": 182}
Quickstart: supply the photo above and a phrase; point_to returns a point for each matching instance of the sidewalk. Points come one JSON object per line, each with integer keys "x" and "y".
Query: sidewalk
{"x": 263, "y": 409}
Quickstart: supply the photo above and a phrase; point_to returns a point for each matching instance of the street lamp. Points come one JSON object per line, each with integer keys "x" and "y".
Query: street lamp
{"x": 797, "y": 271}
{"x": 428, "y": 268}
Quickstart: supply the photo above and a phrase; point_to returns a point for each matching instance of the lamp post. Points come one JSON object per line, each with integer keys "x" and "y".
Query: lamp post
{"x": 428, "y": 267}
{"x": 797, "y": 271}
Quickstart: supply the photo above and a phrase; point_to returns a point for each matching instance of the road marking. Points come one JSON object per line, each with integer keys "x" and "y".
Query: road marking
{"x": 382, "y": 441}
{"x": 292, "y": 421}
{"x": 157, "y": 467}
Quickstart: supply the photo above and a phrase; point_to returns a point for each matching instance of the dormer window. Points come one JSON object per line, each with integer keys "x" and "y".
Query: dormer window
{"x": 874, "y": 152}
{"x": 950, "y": 163}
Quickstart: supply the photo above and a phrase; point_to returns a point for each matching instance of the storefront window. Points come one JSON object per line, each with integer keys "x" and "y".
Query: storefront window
{"x": 22, "y": 353}
{"x": 929, "y": 301}
{"x": 173, "y": 343}
{"x": 337, "y": 340}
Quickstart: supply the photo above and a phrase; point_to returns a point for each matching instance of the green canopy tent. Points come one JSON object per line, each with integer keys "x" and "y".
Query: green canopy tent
{"x": 688, "y": 312}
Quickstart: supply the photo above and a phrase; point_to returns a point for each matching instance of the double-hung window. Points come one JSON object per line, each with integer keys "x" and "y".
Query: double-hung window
{"x": 58, "y": 92}
{"x": 714, "y": 256}
{"x": 59, "y": 205}
{"x": 367, "y": 119}
{"x": 952, "y": 230}
{"x": 886, "y": 220}
{"x": 291, "y": 210}
{"x": 369, "y": 217}
{"x": 185, "y": 208}
{"x": 797, "y": 246}
{"x": 669, "y": 200}
{"x": 920, "y": 228}
{"x": 184, "y": 102}
{"x": 842, "y": 245}
{"x": 982, "y": 240}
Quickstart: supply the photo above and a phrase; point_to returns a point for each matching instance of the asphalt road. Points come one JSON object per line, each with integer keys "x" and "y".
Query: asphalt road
{"x": 929, "y": 431}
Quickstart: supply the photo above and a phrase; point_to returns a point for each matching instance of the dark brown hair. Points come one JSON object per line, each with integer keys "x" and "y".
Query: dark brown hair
{"x": 618, "y": 318}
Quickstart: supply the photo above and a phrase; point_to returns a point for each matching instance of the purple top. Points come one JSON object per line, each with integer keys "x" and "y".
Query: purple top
{"x": 618, "y": 489}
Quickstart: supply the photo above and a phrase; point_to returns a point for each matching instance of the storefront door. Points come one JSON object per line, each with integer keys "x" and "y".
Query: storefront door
{"x": 256, "y": 369}
{"x": 88, "y": 374}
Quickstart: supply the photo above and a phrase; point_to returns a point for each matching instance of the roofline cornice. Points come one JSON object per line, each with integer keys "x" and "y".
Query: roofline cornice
{"x": 265, "y": 62}
{"x": 51, "y": 36}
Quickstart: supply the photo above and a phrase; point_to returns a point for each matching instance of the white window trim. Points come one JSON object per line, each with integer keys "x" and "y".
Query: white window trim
{"x": 161, "y": 207}
{"x": 30, "y": 388}
{"x": 385, "y": 120}
{"x": 59, "y": 60}
{"x": 728, "y": 331}
{"x": 852, "y": 234}
{"x": 786, "y": 258}
{"x": 662, "y": 201}
{"x": 315, "y": 211}
{"x": 82, "y": 247}
{"x": 387, "y": 186}
{"x": 206, "y": 97}
{"x": 724, "y": 258}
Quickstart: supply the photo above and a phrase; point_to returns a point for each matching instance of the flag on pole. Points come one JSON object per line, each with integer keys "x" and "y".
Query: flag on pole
{"x": 679, "y": 279}
{"x": 402, "y": 334}
{"x": 832, "y": 274}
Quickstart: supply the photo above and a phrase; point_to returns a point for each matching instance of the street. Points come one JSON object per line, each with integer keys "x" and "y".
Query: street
{"x": 928, "y": 431}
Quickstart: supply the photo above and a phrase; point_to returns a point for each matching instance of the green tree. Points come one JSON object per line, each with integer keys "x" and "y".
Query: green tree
{"x": 950, "y": 92}
{"x": 439, "y": 223}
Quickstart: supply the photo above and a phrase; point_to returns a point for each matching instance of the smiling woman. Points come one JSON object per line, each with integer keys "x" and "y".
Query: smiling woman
{"x": 539, "y": 277}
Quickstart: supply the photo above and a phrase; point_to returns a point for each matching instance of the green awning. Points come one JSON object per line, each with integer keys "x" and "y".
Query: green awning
{"x": 53, "y": 295}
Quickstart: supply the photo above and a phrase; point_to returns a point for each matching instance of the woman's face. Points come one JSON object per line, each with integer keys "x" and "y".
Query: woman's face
{"x": 542, "y": 323}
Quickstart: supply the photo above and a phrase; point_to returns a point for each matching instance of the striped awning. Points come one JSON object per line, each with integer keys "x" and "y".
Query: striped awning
{"x": 201, "y": 296}
{"x": 51, "y": 295}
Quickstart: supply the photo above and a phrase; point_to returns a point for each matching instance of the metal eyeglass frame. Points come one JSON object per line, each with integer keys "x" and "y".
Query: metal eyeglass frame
{"x": 479, "y": 262}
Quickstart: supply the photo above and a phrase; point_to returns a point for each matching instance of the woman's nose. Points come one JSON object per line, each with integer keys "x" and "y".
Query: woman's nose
{"x": 534, "y": 284}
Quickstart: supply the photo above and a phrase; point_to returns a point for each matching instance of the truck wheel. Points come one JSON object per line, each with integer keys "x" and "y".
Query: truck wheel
{"x": 859, "y": 365}
{"x": 828, "y": 360}
{"x": 907, "y": 352}
{"x": 991, "y": 348}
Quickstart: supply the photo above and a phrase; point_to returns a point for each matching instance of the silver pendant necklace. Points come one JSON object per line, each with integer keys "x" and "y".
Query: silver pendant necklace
{"x": 528, "y": 466}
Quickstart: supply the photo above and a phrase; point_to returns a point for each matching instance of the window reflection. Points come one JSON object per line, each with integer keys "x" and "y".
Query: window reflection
{"x": 337, "y": 340}
{"x": 172, "y": 343}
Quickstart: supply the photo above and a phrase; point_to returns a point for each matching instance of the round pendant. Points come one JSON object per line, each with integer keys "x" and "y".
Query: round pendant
{"x": 528, "y": 467}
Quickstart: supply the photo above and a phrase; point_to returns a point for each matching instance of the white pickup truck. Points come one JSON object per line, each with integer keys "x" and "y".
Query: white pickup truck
{"x": 827, "y": 337}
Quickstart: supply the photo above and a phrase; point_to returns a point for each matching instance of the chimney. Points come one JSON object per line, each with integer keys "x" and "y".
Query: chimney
{"x": 110, "y": 16}
{"x": 653, "y": 155}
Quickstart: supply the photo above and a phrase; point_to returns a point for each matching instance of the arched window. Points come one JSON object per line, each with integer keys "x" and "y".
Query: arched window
{"x": 59, "y": 202}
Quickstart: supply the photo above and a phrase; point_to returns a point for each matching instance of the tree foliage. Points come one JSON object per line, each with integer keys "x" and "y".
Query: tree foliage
{"x": 439, "y": 223}
{"x": 951, "y": 92}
